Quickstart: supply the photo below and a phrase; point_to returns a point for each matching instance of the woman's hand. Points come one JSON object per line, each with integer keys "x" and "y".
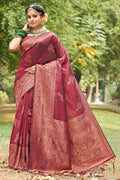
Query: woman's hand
{"x": 26, "y": 28}
{"x": 14, "y": 45}
{"x": 30, "y": 70}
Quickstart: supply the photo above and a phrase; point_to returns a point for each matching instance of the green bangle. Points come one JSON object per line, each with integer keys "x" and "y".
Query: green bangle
{"x": 21, "y": 33}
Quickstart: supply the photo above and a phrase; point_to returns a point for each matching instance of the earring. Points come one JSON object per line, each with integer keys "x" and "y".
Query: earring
{"x": 42, "y": 23}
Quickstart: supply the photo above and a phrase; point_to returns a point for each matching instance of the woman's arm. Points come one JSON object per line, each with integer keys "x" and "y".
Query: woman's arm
{"x": 14, "y": 45}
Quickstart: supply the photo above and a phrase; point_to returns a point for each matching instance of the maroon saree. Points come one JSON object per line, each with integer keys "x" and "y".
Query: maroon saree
{"x": 54, "y": 127}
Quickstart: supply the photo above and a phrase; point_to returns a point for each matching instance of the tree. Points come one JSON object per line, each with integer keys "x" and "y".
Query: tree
{"x": 108, "y": 14}
{"x": 13, "y": 18}
{"x": 89, "y": 31}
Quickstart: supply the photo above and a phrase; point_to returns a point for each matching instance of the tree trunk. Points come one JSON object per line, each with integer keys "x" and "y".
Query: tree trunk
{"x": 89, "y": 98}
{"x": 106, "y": 89}
{"x": 97, "y": 89}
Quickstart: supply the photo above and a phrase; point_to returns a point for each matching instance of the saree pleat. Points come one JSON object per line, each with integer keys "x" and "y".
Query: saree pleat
{"x": 20, "y": 137}
{"x": 54, "y": 127}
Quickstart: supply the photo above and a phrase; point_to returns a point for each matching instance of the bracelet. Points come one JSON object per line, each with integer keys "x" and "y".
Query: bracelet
{"x": 21, "y": 33}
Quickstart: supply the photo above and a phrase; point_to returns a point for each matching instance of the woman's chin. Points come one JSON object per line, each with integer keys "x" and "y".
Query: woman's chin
{"x": 32, "y": 26}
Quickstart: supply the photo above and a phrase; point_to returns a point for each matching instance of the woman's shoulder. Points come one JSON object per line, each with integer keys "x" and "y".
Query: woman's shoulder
{"x": 53, "y": 35}
{"x": 49, "y": 35}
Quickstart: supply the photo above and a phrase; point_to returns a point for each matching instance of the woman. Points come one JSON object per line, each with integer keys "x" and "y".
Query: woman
{"x": 54, "y": 128}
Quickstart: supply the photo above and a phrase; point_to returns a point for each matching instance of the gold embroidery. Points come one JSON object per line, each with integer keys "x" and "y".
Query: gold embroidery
{"x": 34, "y": 40}
{"x": 16, "y": 137}
{"x": 23, "y": 85}
{"x": 28, "y": 59}
{"x": 71, "y": 78}
{"x": 61, "y": 96}
{"x": 51, "y": 48}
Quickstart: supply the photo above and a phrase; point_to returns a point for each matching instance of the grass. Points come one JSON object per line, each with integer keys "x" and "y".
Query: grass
{"x": 5, "y": 132}
{"x": 110, "y": 124}
{"x": 107, "y": 107}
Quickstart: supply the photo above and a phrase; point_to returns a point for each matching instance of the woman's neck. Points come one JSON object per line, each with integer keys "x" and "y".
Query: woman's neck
{"x": 38, "y": 30}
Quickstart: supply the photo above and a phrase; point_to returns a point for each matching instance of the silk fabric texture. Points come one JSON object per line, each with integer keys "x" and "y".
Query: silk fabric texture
{"x": 54, "y": 128}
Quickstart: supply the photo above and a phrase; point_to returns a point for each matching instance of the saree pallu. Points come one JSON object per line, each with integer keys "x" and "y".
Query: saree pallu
{"x": 54, "y": 127}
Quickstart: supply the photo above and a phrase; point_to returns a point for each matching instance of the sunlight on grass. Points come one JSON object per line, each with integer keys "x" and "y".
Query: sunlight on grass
{"x": 110, "y": 124}
{"x": 5, "y": 132}
{"x": 6, "y": 117}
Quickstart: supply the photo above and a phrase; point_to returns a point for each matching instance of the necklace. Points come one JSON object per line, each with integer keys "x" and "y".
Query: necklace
{"x": 39, "y": 31}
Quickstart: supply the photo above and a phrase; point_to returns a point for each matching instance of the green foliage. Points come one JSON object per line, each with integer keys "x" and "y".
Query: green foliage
{"x": 12, "y": 21}
{"x": 110, "y": 15}
{"x": 6, "y": 85}
{"x": 87, "y": 79}
{"x": 80, "y": 25}
{"x": 92, "y": 15}
{"x": 110, "y": 89}
{"x": 91, "y": 44}
{"x": 3, "y": 97}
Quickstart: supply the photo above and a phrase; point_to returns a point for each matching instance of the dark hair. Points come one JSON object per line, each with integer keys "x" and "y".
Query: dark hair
{"x": 37, "y": 7}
